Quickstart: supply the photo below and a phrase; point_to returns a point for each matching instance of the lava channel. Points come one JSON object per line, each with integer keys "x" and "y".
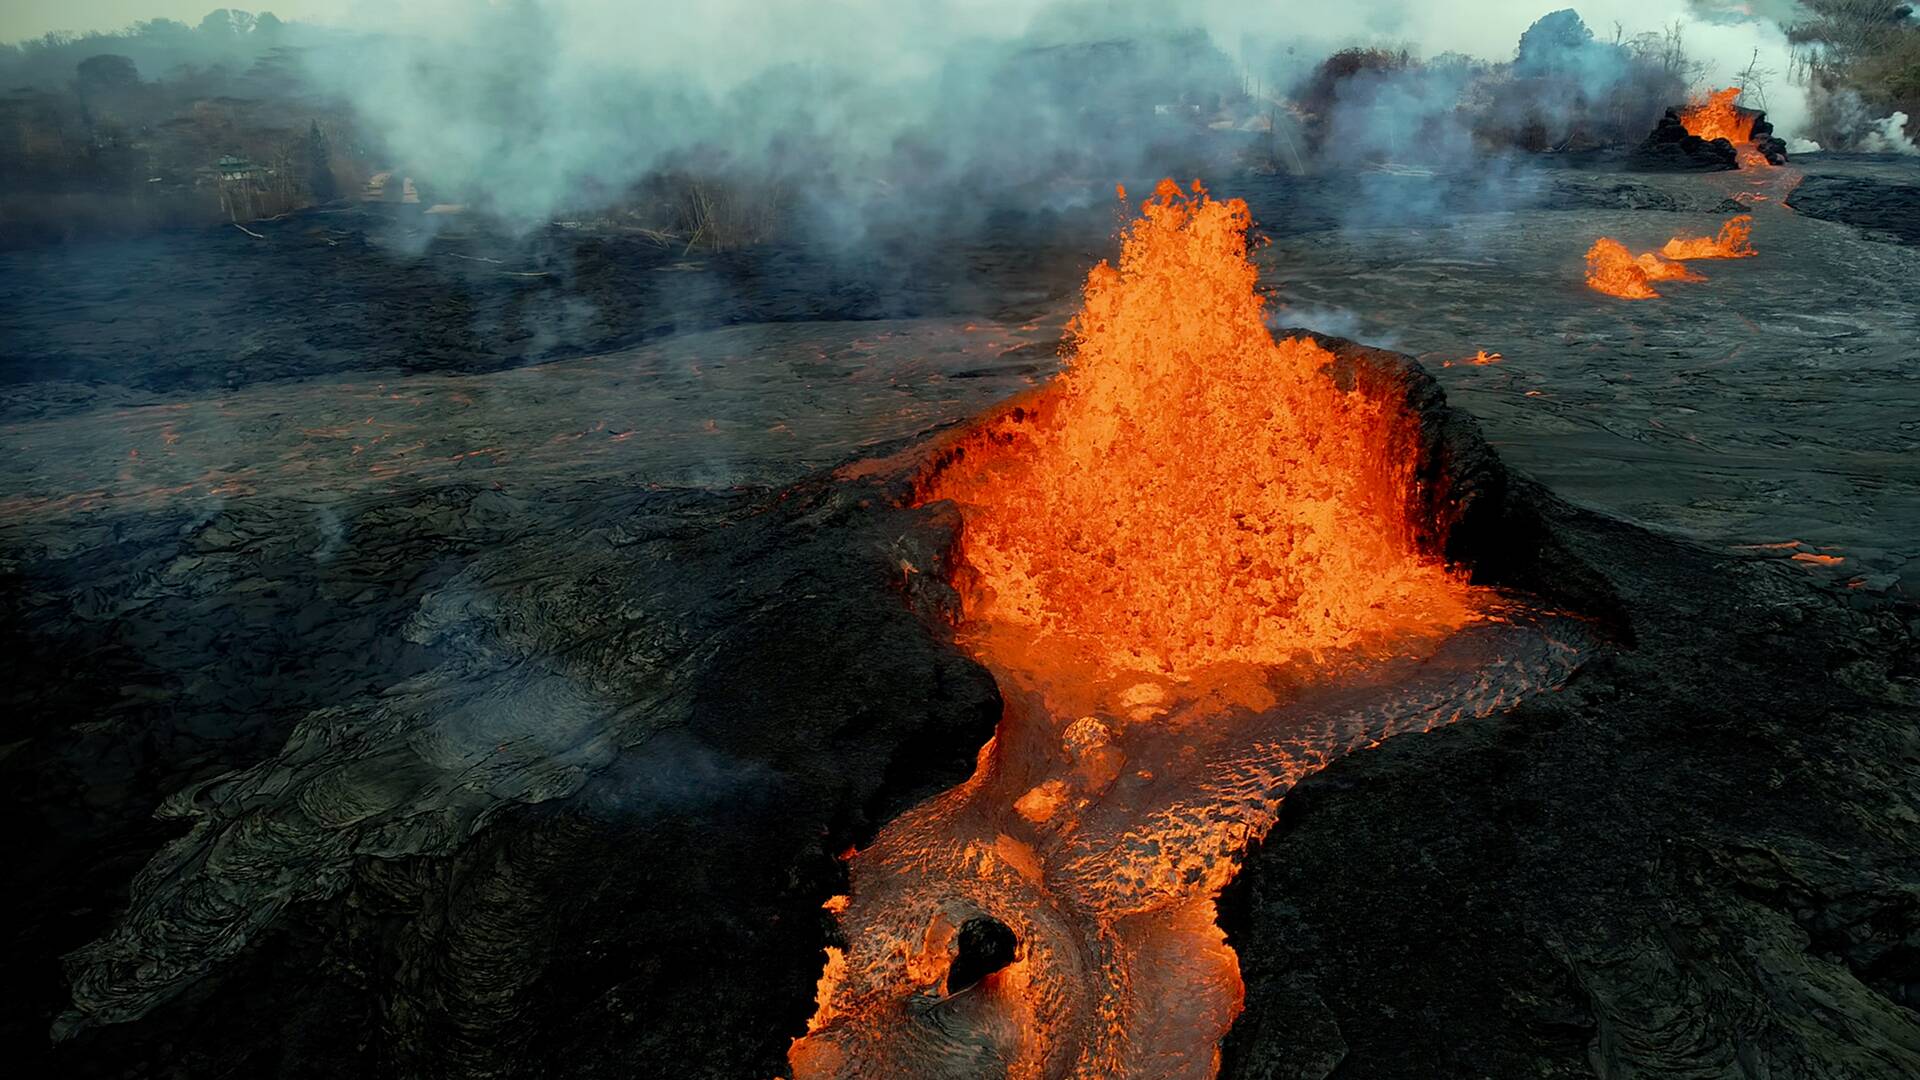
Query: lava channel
{"x": 1201, "y": 565}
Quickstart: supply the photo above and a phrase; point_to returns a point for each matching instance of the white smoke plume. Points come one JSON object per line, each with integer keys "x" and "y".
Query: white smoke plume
{"x": 532, "y": 105}
{"x": 1889, "y": 136}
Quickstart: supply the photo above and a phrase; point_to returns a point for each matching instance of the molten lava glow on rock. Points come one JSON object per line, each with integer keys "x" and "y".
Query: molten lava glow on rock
{"x": 1661, "y": 268}
{"x": 1734, "y": 241}
{"x": 823, "y": 996}
{"x": 1192, "y": 491}
{"x": 1718, "y": 118}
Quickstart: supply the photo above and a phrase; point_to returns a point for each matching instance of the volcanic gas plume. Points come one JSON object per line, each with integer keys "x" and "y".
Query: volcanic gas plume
{"x": 1196, "y": 566}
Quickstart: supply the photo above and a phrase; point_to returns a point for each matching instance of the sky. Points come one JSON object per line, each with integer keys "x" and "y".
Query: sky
{"x": 22, "y": 19}
{"x": 539, "y": 99}
{"x": 1437, "y": 26}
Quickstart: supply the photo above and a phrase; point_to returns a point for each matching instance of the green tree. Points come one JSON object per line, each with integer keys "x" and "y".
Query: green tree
{"x": 106, "y": 75}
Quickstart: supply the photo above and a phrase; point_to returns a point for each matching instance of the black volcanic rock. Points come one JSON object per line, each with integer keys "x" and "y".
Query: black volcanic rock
{"x": 1773, "y": 149}
{"x": 1669, "y": 148}
{"x": 985, "y": 946}
{"x": 551, "y": 785}
{"x": 1881, "y": 209}
{"x": 1697, "y": 858}
{"x": 585, "y": 828}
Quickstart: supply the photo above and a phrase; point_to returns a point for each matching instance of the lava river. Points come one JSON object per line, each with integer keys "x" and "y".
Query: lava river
{"x": 1201, "y": 565}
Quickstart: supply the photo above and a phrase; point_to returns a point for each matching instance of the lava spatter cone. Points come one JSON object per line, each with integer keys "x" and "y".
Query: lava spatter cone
{"x": 1201, "y": 564}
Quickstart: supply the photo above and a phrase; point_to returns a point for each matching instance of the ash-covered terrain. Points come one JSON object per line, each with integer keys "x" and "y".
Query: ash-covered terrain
{"x": 509, "y": 661}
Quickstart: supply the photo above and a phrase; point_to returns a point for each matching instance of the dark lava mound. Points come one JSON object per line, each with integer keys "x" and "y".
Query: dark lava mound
{"x": 1670, "y": 147}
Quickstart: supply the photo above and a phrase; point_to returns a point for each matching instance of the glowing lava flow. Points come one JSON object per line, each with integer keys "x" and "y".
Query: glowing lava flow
{"x": 1192, "y": 564}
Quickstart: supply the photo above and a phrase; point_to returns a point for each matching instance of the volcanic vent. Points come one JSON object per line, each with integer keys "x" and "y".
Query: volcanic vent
{"x": 1201, "y": 564}
{"x": 1711, "y": 133}
{"x": 1193, "y": 491}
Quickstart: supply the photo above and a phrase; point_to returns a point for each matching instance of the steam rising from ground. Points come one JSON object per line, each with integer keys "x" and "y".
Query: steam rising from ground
{"x": 532, "y": 106}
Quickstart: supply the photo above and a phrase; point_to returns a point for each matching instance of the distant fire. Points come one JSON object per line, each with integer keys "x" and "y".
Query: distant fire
{"x": 1614, "y": 270}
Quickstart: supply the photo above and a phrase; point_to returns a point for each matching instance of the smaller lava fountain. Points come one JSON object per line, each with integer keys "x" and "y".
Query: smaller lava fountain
{"x": 1734, "y": 241}
{"x": 1662, "y": 268}
{"x": 1482, "y": 358}
{"x": 1614, "y": 270}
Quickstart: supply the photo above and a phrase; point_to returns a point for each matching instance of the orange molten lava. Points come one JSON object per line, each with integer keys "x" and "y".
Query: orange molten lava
{"x": 1613, "y": 270}
{"x": 1661, "y": 268}
{"x": 1718, "y": 118}
{"x": 1192, "y": 491}
{"x": 1734, "y": 241}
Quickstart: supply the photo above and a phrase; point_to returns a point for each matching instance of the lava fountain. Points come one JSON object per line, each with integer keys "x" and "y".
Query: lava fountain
{"x": 1733, "y": 241}
{"x": 1192, "y": 491}
{"x": 1717, "y": 117}
{"x": 1201, "y": 564}
{"x": 1614, "y": 270}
